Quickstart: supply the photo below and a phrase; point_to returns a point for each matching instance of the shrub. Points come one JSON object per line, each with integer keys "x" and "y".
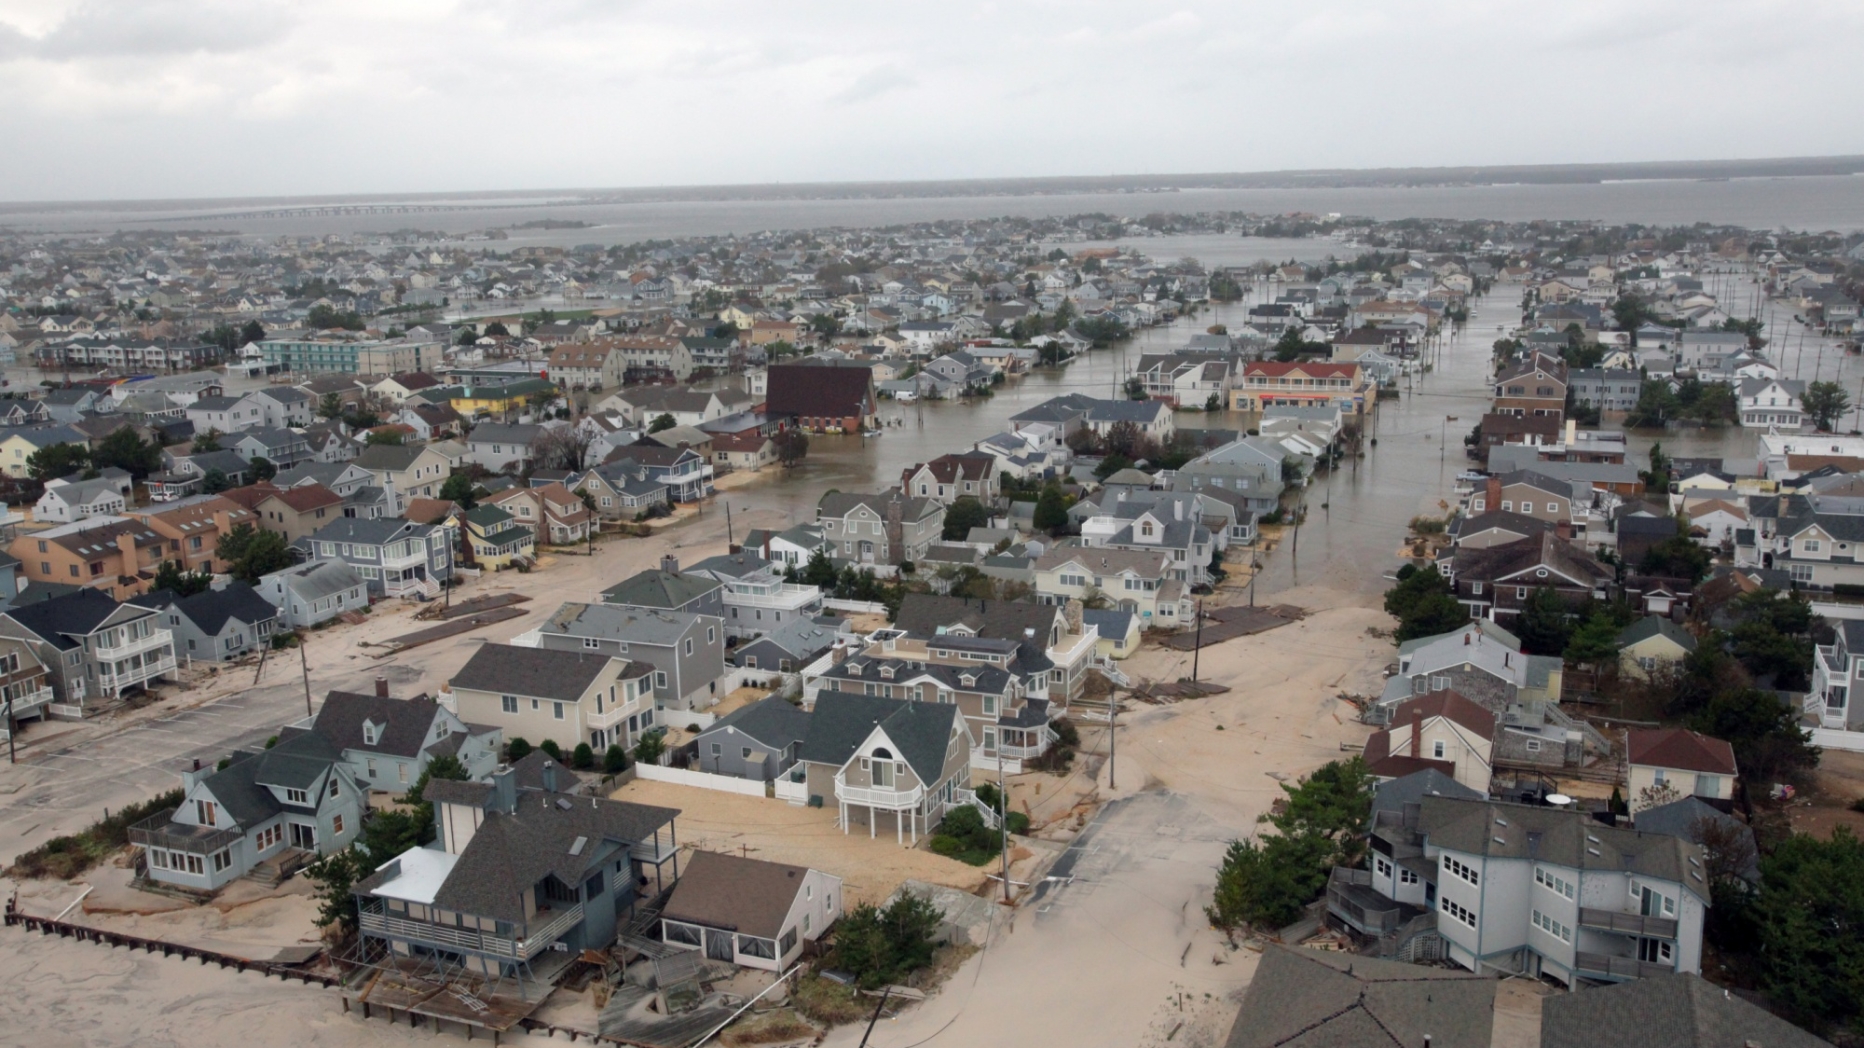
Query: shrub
{"x": 1018, "y": 822}
{"x": 884, "y": 946}
{"x": 550, "y": 747}
{"x": 950, "y": 847}
{"x": 615, "y": 759}
{"x": 517, "y": 749}
{"x": 649, "y": 748}
{"x": 67, "y": 857}
{"x": 1065, "y": 730}
{"x": 829, "y": 1002}
{"x": 583, "y": 757}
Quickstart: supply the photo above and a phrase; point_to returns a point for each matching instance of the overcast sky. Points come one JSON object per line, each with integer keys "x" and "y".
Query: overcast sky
{"x": 200, "y": 98}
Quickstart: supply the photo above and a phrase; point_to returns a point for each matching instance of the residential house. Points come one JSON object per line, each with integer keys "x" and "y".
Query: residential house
{"x": 755, "y": 598}
{"x": 951, "y": 477}
{"x": 1481, "y": 661}
{"x": 281, "y": 447}
{"x": 215, "y": 625}
{"x": 1185, "y": 379}
{"x": 549, "y": 511}
{"x": 760, "y": 741}
{"x": 1118, "y": 632}
{"x": 292, "y": 512}
{"x": 1664, "y": 764}
{"x": 753, "y": 450}
{"x": 568, "y": 697}
{"x": 495, "y": 540}
{"x": 686, "y": 651}
{"x": 407, "y": 471}
{"x": 518, "y": 872}
{"x": 67, "y": 500}
{"x": 18, "y": 444}
{"x": 1141, "y": 582}
{"x": 884, "y": 528}
{"x": 1771, "y": 403}
{"x": 1608, "y": 389}
{"x": 389, "y": 742}
{"x": 749, "y": 912}
{"x": 1540, "y": 891}
{"x": 686, "y": 407}
{"x": 192, "y": 530}
{"x": 1173, "y": 526}
{"x": 668, "y": 589}
{"x": 1681, "y": 1010}
{"x": 1056, "y": 644}
{"x": 395, "y": 557}
{"x": 1310, "y": 997}
{"x": 25, "y": 686}
{"x": 789, "y": 647}
{"x": 1439, "y": 730}
{"x": 298, "y": 796}
{"x": 1535, "y": 386}
{"x": 1529, "y": 493}
{"x": 873, "y": 758}
{"x": 1495, "y": 583}
{"x": 284, "y": 407}
{"x": 1652, "y": 643}
{"x": 314, "y": 592}
{"x": 1267, "y": 383}
{"x": 399, "y": 387}
{"x": 685, "y": 474}
{"x": 94, "y": 648}
{"x": 584, "y": 365}
{"x": 225, "y": 415}
{"x": 113, "y": 554}
{"x": 622, "y": 490}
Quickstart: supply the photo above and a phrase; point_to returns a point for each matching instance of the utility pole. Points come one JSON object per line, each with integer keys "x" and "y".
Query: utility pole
{"x": 1113, "y": 713}
{"x": 728, "y": 536}
{"x": 1003, "y": 818}
{"x": 11, "y": 728}
{"x": 304, "y": 664}
{"x": 1197, "y": 644}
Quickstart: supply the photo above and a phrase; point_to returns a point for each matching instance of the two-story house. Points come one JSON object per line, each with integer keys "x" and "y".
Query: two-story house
{"x": 1535, "y": 386}
{"x": 1530, "y": 890}
{"x": 405, "y": 471}
{"x": 112, "y": 554}
{"x": 517, "y": 872}
{"x": 1771, "y": 403}
{"x": 1267, "y": 383}
{"x": 685, "y": 473}
{"x": 879, "y": 759}
{"x": 549, "y": 511}
{"x": 1441, "y": 730}
{"x": 749, "y": 912}
{"x": 395, "y": 557}
{"x": 951, "y": 477}
{"x": 191, "y": 531}
{"x": 667, "y": 588}
{"x": 1527, "y": 492}
{"x": 313, "y": 592}
{"x": 1495, "y": 583}
{"x": 884, "y": 528}
{"x": 298, "y": 796}
{"x": 214, "y": 625}
{"x": 1665, "y": 764}
{"x": 569, "y": 697}
{"x": 500, "y": 447}
{"x": 686, "y": 651}
{"x": 1166, "y": 528}
{"x": 25, "y": 686}
{"x": 1481, "y": 661}
{"x": 389, "y": 742}
{"x": 1143, "y": 582}
{"x": 1057, "y": 644}
{"x": 754, "y": 598}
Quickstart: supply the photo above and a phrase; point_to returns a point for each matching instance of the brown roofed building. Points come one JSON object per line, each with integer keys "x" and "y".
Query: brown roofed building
{"x": 1494, "y": 583}
{"x": 294, "y": 512}
{"x": 113, "y": 554}
{"x": 192, "y": 532}
{"x": 822, "y": 399}
{"x": 1440, "y": 729}
{"x": 1663, "y": 761}
{"x": 755, "y": 913}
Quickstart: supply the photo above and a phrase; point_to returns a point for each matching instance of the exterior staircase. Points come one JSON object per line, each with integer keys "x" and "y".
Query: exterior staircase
{"x": 274, "y": 871}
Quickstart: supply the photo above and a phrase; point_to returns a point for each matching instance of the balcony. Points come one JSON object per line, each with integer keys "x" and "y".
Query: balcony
{"x": 26, "y": 704}
{"x": 1627, "y": 923}
{"x": 613, "y": 715}
{"x": 114, "y": 676}
{"x": 1351, "y": 897}
{"x": 376, "y": 920}
{"x": 1598, "y": 965}
{"x": 157, "y": 831}
{"x": 155, "y": 639}
{"x": 782, "y": 596}
{"x": 891, "y": 800}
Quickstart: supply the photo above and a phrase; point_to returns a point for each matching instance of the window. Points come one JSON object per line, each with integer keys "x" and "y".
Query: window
{"x": 1384, "y": 868}
{"x": 508, "y": 703}
{"x": 1406, "y": 876}
{"x": 747, "y": 753}
{"x": 660, "y": 678}
{"x": 204, "y": 812}
{"x": 336, "y": 824}
{"x": 1462, "y": 870}
{"x": 536, "y": 705}
{"x": 1552, "y": 927}
{"x": 689, "y": 645}
{"x": 297, "y": 797}
{"x": 1810, "y": 545}
{"x": 1708, "y": 785}
{"x": 556, "y": 710}
{"x": 222, "y": 859}
{"x": 591, "y": 642}
{"x": 1436, "y": 749}
{"x": 1475, "y": 589}
{"x": 370, "y": 765}
{"x": 1458, "y": 911}
{"x": 1520, "y": 592}
{"x": 1554, "y": 883}
{"x": 401, "y": 771}
{"x": 333, "y": 784}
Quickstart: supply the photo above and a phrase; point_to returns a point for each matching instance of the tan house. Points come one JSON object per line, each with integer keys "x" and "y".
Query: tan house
{"x": 883, "y": 762}
{"x": 292, "y": 512}
{"x": 192, "y": 532}
{"x": 1536, "y": 386}
{"x": 1136, "y": 581}
{"x": 1441, "y": 730}
{"x": 1665, "y": 761}
{"x": 1650, "y": 644}
{"x": 750, "y": 450}
{"x": 1528, "y": 493}
{"x": 552, "y": 513}
{"x": 569, "y": 697}
{"x": 113, "y": 554}
{"x": 406, "y": 471}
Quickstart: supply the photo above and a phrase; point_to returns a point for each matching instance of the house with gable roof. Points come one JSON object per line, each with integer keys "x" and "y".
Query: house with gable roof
{"x": 881, "y": 760}
{"x": 389, "y": 742}
{"x": 1686, "y": 763}
{"x": 1439, "y": 730}
{"x": 749, "y": 912}
{"x": 215, "y": 625}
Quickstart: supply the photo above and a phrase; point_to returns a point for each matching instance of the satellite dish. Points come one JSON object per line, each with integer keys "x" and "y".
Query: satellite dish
{"x": 1559, "y": 800}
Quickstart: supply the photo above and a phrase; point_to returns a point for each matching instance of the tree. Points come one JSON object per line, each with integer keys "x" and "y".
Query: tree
{"x": 127, "y": 451}
{"x": 664, "y": 422}
{"x": 1809, "y": 914}
{"x": 561, "y": 447}
{"x": 325, "y": 317}
{"x": 1424, "y": 604}
{"x": 1657, "y": 478}
{"x": 649, "y": 747}
{"x": 215, "y": 481}
{"x": 962, "y": 515}
{"x": 497, "y": 330}
{"x": 1825, "y": 402}
{"x": 390, "y": 437}
{"x": 208, "y": 441}
{"x": 1267, "y": 881}
{"x": 1594, "y": 642}
{"x": 517, "y": 749}
{"x": 336, "y": 875}
{"x": 1545, "y": 623}
{"x": 614, "y": 759}
{"x": 330, "y": 405}
{"x": 1135, "y": 388}
{"x": 1677, "y": 557}
{"x": 885, "y": 946}
{"x": 262, "y": 468}
{"x": 466, "y": 337}
{"x": 1051, "y": 513}
{"x": 582, "y": 757}
{"x": 791, "y": 445}
{"x": 57, "y": 460}
{"x": 459, "y": 488}
{"x": 170, "y": 577}
{"x": 251, "y": 332}
{"x": 249, "y": 553}
{"x": 820, "y": 571}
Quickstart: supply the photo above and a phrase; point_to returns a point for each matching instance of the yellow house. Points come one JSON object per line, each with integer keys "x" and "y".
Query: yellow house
{"x": 20, "y": 444}
{"x": 1442, "y": 730}
{"x": 513, "y": 397}
{"x": 1650, "y": 643}
{"x": 496, "y": 538}
{"x": 1671, "y": 763}
{"x": 1119, "y": 632}
{"x": 738, "y": 317}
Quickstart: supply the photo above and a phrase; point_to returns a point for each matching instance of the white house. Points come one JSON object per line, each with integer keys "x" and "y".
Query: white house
{"x": 1771, "y": 403}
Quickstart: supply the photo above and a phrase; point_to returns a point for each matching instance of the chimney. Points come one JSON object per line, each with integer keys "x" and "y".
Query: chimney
{"x": 550, "y": 776}
{"x": 1572, "y": 432}
{"x": 1417, "y": 730}
{"x": 1563, "y": 528}
{"x": 839, "y": 654}
{"x": 1494, "y": 495}
{"x": 505, "y": 790}
{"x": 670, "y": 564}
{"x": 1177, "y": 509}
{"x": 381, "y": 686}
{"x": 1072, "y": 612}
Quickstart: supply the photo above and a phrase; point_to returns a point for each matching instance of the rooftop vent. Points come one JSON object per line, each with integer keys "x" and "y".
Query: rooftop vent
{"x": 1592, "y": 851}
{"x": 579, "y": 844}
{"x": 563, "y": 803}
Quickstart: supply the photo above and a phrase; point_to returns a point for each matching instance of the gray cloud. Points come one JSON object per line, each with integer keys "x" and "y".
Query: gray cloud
{"x": 143, "y": 28}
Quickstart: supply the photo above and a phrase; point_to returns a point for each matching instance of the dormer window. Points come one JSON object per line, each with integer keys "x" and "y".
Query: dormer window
{"x": 371, "y": 733}
{"x": 967, "y": 679}
{"x": 854, "y": 669}
{"x": 1145, "y": 528}
{"x": 886, "y": 672}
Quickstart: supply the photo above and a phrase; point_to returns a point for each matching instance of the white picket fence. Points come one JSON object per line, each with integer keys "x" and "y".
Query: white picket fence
{"x": 692, "y": 720}
{"x": 1837, "y": 739}
{"x": 862, "y": 606}
{"x": 796, "y": 793}
{"x": 702, "y": 780}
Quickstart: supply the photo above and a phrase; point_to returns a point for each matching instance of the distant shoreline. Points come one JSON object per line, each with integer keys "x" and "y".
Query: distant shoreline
{"x": 1341, "y": 178}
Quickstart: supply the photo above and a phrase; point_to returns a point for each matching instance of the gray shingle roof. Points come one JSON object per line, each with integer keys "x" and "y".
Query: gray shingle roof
{"x": 771, "y": 721}
{"x": 655, "y": 588}
{"x": 540, "y": 672}
{"x": 211, "y": 609}
{"x": 405, "y": 723}
{"x": 1316, "y": 999}
{"x": 842, "y": 721}
{"x": 750, "y": 896}
{"x": 1680, "y": 1010}
{"x": 1568, "y": 838}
